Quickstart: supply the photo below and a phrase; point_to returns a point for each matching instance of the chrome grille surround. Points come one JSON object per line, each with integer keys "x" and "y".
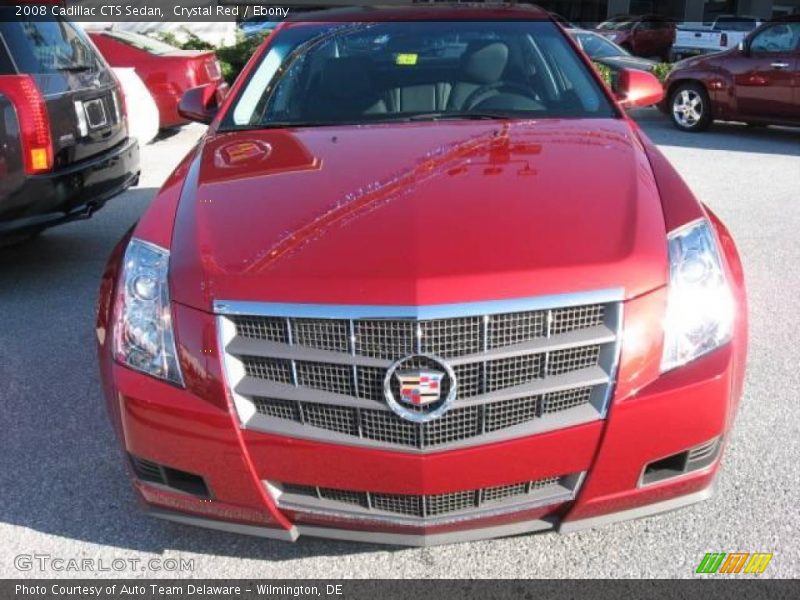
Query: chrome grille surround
{"x": 522, "y": 367}
{"x": 428, "y": 509}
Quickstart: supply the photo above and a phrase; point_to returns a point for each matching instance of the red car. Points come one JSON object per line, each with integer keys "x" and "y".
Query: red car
{"x": 422, "y": 281}
{"x": 648, "y": 36}
{"x": 758, "y": 82}
{"x": 166, "y": 71}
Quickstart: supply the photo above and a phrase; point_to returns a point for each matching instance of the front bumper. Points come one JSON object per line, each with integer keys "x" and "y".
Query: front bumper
{"x": 651, "y": 417}
{"x": 69, "y": 194}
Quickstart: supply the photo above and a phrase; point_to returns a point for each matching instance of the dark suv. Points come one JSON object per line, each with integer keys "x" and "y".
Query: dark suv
{"x": 64, "y": 145}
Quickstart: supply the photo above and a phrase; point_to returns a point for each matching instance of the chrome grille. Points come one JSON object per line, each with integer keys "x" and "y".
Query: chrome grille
{"x": 320, "y": 376}
{"x": 428, "y": 507}
{"x": 319, "y": 333}
{"x": 518, "y": 372}
{"x": 516, "y": 328}
{"x": 456, "y": 425}
{"x": 262, "y": 328}
{"x": 268, "y": 368}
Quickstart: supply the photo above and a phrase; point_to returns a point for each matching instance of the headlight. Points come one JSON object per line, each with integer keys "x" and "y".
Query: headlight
{"x": 143, "y": 336}
{"x": 700, "y": 306}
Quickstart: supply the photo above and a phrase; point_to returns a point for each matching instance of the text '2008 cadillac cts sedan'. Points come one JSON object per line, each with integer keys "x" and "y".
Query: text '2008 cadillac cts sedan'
{"x": 422, "y": 281}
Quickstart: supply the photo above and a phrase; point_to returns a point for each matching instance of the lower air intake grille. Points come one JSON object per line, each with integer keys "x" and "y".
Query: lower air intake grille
{"x": 466, "y": 503}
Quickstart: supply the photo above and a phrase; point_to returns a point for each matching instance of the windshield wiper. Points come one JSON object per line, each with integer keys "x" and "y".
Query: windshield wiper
{"x": 432, "y": 116}
{"x": 473, "y": 116}
{"x": 74, "y": 68}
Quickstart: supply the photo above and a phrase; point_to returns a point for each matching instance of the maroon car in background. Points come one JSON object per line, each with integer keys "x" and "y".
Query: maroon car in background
{"x": 167, "y": 71}
{"x": 757, "y": 82}
{"x": 647, "y": 35}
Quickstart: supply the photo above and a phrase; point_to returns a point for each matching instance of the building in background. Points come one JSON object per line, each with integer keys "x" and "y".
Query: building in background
{"x": 594, "y": 11}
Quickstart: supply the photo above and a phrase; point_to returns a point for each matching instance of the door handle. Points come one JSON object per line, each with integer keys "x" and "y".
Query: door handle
{"x": 780, "y": 65}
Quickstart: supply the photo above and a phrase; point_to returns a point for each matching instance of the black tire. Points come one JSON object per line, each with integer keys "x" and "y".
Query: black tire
{"x": 697, "y": 114}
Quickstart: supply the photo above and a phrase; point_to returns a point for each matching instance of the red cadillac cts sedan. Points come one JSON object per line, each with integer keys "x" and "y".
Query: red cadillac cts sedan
{"x": 422, "y": 281}
{"x": 167, "y": 71}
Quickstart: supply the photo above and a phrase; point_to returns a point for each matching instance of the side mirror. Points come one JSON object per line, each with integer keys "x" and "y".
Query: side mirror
{"x": 638, "y": 88}
{"x": 200, "y": 104}
{"x": 743, "y": 48}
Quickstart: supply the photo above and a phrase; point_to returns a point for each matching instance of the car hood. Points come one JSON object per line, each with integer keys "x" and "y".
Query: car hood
{"x": 627, "y": 62}
{"x": 703, "y": 60}
{"x": 418, "y": 213}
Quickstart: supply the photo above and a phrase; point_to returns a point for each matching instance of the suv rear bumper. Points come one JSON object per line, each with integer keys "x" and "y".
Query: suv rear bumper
{"x": 72, "y": 193}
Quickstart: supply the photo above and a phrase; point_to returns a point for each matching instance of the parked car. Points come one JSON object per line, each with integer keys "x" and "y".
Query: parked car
{"x": 167, "y": 71}
{"x": 64, "y": 144}
{"x": 648, "y": 36}
{"x": 725, "y": 32}
{"x": 384, "y": 297}
{"x": 602, "y": 50}
{"x": 755, "y": 82}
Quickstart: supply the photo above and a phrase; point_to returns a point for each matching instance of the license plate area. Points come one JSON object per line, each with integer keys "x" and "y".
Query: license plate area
{"x": 95, "y": 111}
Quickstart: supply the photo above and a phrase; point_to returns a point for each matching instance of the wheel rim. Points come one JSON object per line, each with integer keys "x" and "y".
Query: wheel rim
{"x": 687, "y": 108}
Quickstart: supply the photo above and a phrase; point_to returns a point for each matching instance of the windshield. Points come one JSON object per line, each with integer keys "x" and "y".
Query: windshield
{"x": 616, "y": 25}
{"x": 378, "y": 72}
{"x": 141, "y": 42}
{"x": 597, "y": 46}
{"x": 735, "y": 24}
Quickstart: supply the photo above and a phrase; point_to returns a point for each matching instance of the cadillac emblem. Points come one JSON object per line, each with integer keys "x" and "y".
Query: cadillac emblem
{"x": 420, "y": 387}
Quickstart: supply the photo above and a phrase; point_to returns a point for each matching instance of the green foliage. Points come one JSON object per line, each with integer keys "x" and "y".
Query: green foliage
{"x": 661, "y": 70}
{"x": 606, "y": 73}
{"x": 231, "y": 58}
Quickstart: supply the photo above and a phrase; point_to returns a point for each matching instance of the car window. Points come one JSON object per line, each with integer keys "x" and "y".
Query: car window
{"x": 377, "y": 72}
{"x": 779, "y": 37}
{"x": 49, "y": 46}
{"x": 6, "y": 65}
{"x": 598, "y": 46}
{"x": 141, "y": 42}
{"x": 614, "y": 25}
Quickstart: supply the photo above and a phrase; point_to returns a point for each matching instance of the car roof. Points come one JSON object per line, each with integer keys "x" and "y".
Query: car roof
{"x": 436, "y": 12}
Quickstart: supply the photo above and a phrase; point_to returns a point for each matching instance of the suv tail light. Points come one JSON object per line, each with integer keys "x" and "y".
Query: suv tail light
{"x": 34, "y": 123}
{"x": 723, "y": 40}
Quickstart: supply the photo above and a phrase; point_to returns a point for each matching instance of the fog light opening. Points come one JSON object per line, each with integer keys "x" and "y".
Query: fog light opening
{"x": 675, "y": 465}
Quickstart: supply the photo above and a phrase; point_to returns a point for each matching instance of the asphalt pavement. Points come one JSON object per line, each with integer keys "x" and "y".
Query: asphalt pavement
{"x": 64, "y": 491}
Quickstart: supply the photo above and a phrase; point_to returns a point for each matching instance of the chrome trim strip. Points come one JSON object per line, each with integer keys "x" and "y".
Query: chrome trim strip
{"x": 639, "y": 512}
{"x": 611, "y": 388}
{"x": 423, "y": 312}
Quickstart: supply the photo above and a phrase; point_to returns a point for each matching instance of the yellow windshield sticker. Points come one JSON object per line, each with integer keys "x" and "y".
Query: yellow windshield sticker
{"x": 406, "y": 59}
